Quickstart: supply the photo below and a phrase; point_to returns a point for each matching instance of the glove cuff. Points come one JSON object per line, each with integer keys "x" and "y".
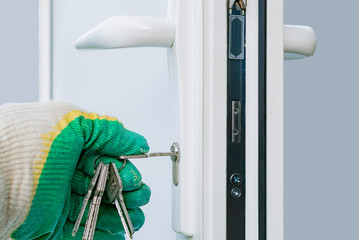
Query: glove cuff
{"x": 22, "y": 148}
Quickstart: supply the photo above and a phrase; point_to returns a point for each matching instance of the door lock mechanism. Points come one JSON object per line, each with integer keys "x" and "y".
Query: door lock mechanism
{"x": 174, "y": 154}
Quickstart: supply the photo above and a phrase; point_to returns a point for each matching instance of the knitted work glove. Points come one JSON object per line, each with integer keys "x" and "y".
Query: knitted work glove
{"x": 46, "y": 163}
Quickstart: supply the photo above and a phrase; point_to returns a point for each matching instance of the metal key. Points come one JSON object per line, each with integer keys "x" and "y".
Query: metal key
{"x": 99, "y": 198}
{"x": 148, "y": 155}
{"x": 87, "y": 197}
{"x": 174, "y": 154}
{"x": 114, "y": 189}
{"x": 95, "y": 204}
{"x": 86, "y": 232}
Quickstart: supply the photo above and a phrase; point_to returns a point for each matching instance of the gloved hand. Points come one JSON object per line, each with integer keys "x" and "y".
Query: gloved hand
{"x": 46, "y": 163}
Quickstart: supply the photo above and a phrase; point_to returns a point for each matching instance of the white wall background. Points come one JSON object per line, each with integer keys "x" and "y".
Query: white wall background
{"x": 18, "y": 51}
{"x": 321, "y": 102}
{"x": 322, "y": 125}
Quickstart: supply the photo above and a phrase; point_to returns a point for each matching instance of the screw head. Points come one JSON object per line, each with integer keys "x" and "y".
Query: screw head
{"x": 236, "y": 193}
{"x": 236, "y": 179}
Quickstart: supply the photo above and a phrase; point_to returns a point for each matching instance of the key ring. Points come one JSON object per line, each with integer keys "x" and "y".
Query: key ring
{"x": 101, "y": 155}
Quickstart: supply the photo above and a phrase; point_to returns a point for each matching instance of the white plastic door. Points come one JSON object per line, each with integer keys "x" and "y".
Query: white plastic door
{"x": 133, "y": 84}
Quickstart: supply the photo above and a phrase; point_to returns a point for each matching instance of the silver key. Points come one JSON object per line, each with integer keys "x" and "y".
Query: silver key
{"x": 99, "y": 198}
{"x": 91, "y": 186}
{"x": 148, "y": 155}
{"x": 174, "y": 154}
{"x": 114, "y": 189}
{"x": 86, "y": 233}
{"x": 95, "y": 203}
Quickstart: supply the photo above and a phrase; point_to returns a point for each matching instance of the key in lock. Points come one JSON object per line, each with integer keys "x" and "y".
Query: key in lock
{"x": 174, "y": 154}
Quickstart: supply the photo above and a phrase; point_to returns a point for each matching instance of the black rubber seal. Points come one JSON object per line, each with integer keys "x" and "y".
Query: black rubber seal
{"x": 262, "y": 120}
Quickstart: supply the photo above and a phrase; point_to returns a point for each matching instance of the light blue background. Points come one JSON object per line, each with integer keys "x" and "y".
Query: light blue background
{"x": 321, "y": 125}
{"x": 321, "y": 111}
{"x": 18, "y": 50}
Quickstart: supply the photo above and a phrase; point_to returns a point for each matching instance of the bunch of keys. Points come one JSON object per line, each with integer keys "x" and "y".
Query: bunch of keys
{"x": 107, "y": 179}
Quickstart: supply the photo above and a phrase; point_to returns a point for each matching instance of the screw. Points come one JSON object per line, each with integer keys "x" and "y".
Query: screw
{"x": 236, "y": 193}
{"x": 236, "y": 179}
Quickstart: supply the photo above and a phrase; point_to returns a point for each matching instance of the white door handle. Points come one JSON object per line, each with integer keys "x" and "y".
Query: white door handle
{"x": 299, "y": 41}
{"x": 177, "y": 33}
{"x": 129, "y": 31}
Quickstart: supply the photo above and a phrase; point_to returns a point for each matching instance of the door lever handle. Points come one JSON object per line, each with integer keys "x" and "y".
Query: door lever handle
{"x": 299, "y": 42}
{"x": 129, "y": 31}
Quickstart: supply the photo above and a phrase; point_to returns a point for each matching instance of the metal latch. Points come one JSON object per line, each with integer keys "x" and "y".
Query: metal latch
{"x": 237, "y": 4}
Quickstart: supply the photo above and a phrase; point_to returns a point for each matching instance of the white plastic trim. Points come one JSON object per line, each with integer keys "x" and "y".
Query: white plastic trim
{"x": 214, "y": 120}
{"x": 275, "y": 174}
{"x": 299, "y": 41}
{"x": 129, "y": 31}
{"x": 182, "y": 77}
{"x": 199, "y": 121}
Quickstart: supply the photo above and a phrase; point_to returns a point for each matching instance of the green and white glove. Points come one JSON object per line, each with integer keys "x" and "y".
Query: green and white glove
{"x": 46, "y": 163}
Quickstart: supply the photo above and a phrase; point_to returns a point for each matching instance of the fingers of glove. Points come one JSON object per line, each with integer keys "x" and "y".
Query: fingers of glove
{"x": 137, "y": 198}
{"x": 80, "y": 182}
{"x": 108, "y": 217}
{"x": 130, "y": 176}
{"x": 99, "y": 234}
{"x": 110, "y": 137}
